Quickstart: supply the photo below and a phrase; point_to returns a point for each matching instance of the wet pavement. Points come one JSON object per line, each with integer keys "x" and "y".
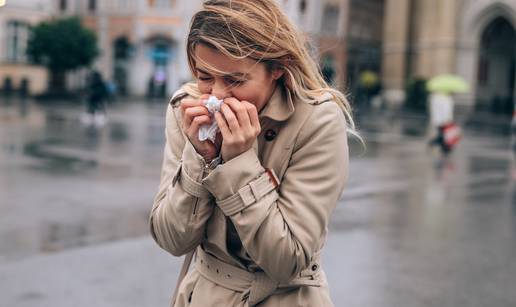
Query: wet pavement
{"x": 412, "y": 228}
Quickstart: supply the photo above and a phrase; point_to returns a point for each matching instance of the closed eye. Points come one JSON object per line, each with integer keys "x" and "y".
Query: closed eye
{"x": 203, "y": 78}
{"x": 234, "y": 82}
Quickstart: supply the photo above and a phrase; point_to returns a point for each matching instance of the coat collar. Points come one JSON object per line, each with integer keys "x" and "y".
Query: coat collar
{"x": 280, "y": 106}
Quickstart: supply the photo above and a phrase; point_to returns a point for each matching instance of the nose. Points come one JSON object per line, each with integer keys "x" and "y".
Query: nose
{"x": 220, "y": 90}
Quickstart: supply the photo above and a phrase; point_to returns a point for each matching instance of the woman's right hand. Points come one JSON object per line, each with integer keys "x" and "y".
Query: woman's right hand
{"x": 195, "y": 114}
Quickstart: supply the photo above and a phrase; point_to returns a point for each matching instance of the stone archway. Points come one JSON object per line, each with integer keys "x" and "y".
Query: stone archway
{"x": 496, "y": 67}
{"x": 476, "y": 16}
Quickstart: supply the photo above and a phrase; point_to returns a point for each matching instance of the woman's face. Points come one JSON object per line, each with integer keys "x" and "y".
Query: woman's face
{"x": 242, "y": 79}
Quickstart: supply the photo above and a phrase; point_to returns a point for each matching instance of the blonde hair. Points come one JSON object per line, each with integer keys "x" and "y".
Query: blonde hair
{"x": 259, "y": 30}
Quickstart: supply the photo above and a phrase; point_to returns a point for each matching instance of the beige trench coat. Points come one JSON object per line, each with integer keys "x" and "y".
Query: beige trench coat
{"x": 257, "y": 243}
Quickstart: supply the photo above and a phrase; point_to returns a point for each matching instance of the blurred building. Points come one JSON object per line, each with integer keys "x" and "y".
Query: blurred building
{"x": 325, "y": 23}
{"x": 16, "y": 74}
{"x": 364, "y": 39}
{"x": 143, "y": 52}
{"x": 472, "y": 38}
{"x": 141, "y": 41}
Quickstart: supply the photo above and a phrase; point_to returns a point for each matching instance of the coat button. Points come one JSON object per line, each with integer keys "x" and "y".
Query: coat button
{"x": 315, "y": 267}
{"x": 270, "y": 135}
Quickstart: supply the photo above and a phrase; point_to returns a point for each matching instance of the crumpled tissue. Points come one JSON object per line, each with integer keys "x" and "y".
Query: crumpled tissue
{"x": 208, "y": 132}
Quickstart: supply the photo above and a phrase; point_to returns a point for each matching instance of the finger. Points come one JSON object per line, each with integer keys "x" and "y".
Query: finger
{"x": 192, "y": 112}
{"x": 223, "y": 125}
{"x": 197, "y": 122}
{"x": 189, "y": 103}
{"x": 253, "y": 116}
{"x": 240, "y": 110}
{"x": 230, "y": 118}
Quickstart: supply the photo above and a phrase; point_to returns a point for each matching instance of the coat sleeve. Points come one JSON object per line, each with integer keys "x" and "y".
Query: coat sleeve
{"x": 182, "y": 205}
{"x": 282, "y": 229}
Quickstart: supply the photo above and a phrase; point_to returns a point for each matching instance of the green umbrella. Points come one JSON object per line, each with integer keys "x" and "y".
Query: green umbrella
{"x": 447, "y": 84}
{"x": 369, "y": 78}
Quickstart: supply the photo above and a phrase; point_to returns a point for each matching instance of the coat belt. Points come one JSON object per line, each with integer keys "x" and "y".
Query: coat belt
{"x": 254, "y": 286}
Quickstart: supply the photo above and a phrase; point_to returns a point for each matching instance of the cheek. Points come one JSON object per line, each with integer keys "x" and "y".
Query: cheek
{"x": 254, "y": 92}
{"x": 247, "y": 93}
{"x": 204, "y": 88}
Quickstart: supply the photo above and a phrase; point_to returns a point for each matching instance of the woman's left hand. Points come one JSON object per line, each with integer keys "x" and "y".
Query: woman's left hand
{"x": 239, "y": 125}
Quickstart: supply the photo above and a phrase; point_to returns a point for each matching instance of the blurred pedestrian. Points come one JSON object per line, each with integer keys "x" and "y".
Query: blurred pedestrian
{"x": 112, "y": 90}
{"x": 369, "y": 86}
{"x": 254, "y": 204}
{"x": 97, "y": 95}
{"x": 447, "y": 132}
{"x": 441, "y": 114}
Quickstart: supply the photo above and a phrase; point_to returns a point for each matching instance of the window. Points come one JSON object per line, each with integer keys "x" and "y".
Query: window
{"x": 62, "y": 5}
{"x": 163, "y": 3}
{"x": 328, "y": 68}
{"x": 17, "y": 36}
{"x": 92, "y": 5}
{"x": 330, "y": 19}
{"x": 302, "y": 6}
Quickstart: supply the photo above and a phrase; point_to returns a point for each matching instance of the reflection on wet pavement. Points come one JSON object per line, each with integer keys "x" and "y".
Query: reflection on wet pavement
{"x": 64, "y": 184}
{"x": 407, "y": 213}
{"x": 54, "y": 161}
{"x": 441, "y": 230}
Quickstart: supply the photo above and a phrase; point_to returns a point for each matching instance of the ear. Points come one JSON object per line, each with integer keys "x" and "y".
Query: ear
{"x": 277, "y": 73}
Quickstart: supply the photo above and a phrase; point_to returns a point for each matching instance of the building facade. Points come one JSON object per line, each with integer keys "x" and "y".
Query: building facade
{"x": 16, "y": 18}
{"x": 475, "y": 39}
{"x": 364, "y": 39}
{"x": 325, "y": 22}
{"x": 142, "y": 42}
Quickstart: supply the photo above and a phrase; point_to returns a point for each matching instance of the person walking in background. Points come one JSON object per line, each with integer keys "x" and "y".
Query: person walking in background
{"x": 97, "y": 94}
{"x": 441, "y": 114}
{"x": 447, "y": 132}
{"x": 254, "y": 200}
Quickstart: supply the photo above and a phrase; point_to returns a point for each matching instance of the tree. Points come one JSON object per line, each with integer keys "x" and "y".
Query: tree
{"x": 62, "y": 45}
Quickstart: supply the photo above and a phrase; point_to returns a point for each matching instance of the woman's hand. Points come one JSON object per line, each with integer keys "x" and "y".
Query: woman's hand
{"x": 195, "y": 114}
{"x": 239, "y": 124}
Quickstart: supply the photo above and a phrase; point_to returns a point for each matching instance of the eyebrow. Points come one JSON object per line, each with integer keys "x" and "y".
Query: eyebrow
{"x": 235, "y": 74}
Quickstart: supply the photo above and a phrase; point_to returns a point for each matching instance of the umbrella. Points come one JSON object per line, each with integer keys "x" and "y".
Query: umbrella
{"x": 447, "y": 84}
{"x": 368, "y": 78}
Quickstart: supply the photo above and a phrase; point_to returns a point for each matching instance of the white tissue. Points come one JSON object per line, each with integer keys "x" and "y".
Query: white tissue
{"x": 208, "y": 132}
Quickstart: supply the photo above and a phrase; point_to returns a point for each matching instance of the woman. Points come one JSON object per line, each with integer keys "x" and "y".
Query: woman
{"x": 256, "y": 202}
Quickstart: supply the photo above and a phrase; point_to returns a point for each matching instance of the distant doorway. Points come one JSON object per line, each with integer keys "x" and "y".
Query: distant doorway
{"x": 497, "y": 68}
{"x": 122, "y": 52}
{"x": 161, "y": 51}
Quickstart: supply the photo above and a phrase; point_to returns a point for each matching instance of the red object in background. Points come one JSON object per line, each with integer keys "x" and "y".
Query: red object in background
{"x": 451, "y": 134}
